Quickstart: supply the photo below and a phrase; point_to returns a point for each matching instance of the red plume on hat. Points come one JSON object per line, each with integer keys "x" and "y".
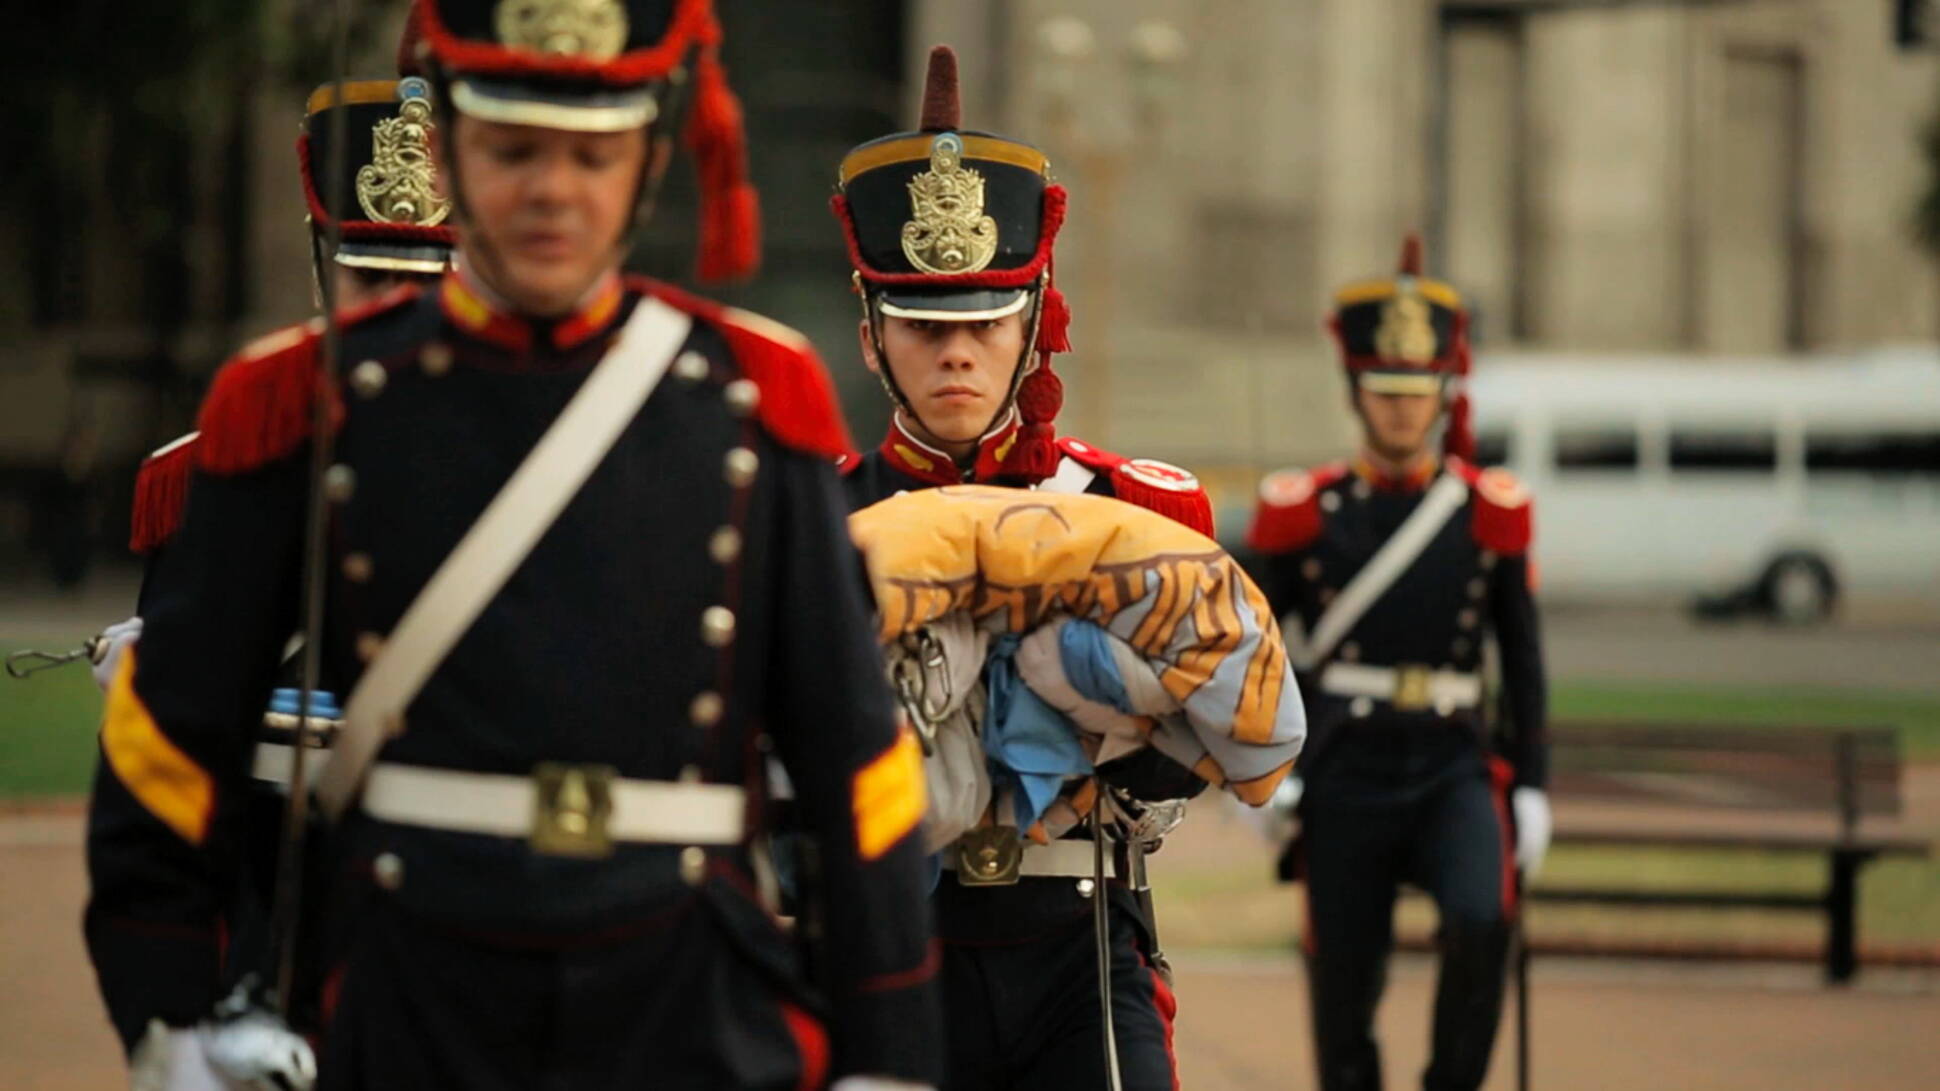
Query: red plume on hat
{"x": 1041, "y": 395}
{"x": 411, "y": 44}
{"x": 1458, "y": 436}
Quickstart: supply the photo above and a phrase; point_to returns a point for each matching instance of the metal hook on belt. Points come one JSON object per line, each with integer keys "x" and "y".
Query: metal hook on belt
{"x": 919, "y": 672}
{"x": 28, "y": 661}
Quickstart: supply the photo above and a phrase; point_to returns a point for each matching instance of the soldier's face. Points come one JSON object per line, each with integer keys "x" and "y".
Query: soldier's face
{"x": 546, "y": 207}
{"x": 955, "y": 374}
{"x": 1397, "y": 425}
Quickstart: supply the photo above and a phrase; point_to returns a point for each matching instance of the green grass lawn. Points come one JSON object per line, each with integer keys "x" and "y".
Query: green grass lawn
{"x": 48, "y": 722}
{"x": 47, "y": 730}
{"x": 1918, "y": 718}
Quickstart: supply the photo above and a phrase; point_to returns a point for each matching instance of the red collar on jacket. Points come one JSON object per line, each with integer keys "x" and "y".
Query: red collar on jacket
{"x": 1412, "y": 479}
{"x": 472, "y": 309}
{"x": 902, "y": 450}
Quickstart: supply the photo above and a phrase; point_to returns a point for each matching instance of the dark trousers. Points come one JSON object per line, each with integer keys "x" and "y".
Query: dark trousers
{"x": 1447, "y": 838}
{"x": 675, "y": 1005}
{"x": 1025, "y": 1016}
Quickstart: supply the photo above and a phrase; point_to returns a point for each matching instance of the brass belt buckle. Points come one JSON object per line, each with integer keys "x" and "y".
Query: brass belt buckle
{"x": 1413, "y": 691}
{"x": 990, "y": 856}
{"x": 571, "y": 808}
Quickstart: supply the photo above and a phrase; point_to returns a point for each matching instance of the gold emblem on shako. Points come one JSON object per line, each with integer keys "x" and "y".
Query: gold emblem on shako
{"x": 947, "y": 231}
{"x": 1406, "y": 332}
{"x": 399, "y": 185}
{"x": 594, "y": 29}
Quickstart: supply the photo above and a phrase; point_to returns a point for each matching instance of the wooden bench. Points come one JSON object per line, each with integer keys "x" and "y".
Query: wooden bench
{"x": 1816, "y": 790}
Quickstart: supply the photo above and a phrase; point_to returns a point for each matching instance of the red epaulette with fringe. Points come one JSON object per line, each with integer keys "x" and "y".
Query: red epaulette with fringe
{"x": 1503, "y": 509}
{"x": 1153, "y": 485}
{"x": 1288, "y": 516}
{"x": 161, "y": 492}
{"x": 798, "y": 405}
{"x": 260, "y": 407}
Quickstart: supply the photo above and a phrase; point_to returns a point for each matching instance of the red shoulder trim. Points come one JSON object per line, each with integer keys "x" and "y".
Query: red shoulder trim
{"x": 1503, "y": 508}
{"x": 1288, "y": 516}
{"x": 259, "y": 407}
{"x": 798, "y": 405}
{"x": 161, "y": 492}
{"x": 1164, "y": 488}
{"x": 1153, "y": 485}
{"x": 1093, "y": 458}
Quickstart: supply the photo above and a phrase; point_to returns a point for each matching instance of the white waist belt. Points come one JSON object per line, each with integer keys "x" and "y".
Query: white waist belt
{"x": 1405, "y": 687}
{"x": 1057, "y": 860}
{"x": 650, "y": 811}
{"x": 274, "y": 761}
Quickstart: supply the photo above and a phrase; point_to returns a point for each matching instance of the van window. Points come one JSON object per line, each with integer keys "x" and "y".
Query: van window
{"x": 1596, "y": 448}
{"x": 1492, "y": 447}
{"x": 1749, "y": 450}
{"x": 1884, "y": 454}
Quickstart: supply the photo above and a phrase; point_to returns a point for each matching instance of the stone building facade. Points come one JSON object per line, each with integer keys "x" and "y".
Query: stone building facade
{"x": 1659, "y": 176}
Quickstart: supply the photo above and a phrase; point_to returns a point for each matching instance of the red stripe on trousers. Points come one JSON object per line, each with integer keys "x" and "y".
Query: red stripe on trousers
{"x": 1167, "y": 1007}
{"x": 1501, "y": 775}
{"x": 811, "y": 1042}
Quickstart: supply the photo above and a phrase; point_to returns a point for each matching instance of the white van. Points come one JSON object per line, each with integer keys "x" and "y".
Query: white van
{"x": 1777, "y": 483}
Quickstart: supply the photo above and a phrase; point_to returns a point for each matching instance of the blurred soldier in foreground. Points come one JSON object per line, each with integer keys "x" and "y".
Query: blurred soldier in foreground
{"x": 950, "y": 232}
{"x": 585, "y": 565}
{"x": 1398, "y": 566}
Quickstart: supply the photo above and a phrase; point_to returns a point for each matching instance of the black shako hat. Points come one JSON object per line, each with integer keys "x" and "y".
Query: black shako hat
{"x": 605, "y": 66}
{"x": 393, "y": 213}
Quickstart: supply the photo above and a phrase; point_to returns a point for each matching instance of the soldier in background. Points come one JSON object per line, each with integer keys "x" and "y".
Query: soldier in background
{"x": 391, "y": 233}
{"x": 542, "y": 864}
{"x": 1399, "y": 566}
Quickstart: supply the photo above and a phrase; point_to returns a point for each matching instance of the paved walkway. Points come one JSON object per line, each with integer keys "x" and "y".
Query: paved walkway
{"x": 1242, "y": 1026}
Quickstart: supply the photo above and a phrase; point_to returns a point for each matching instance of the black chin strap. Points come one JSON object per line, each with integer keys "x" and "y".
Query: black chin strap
{"x": 1026, "y": 363}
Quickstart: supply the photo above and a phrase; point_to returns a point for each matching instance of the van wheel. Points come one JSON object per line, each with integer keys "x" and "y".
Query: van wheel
{"x": 1798, "y": 589}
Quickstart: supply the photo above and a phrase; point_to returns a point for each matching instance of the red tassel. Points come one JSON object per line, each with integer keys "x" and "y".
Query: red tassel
{"x": 1041, "y": 395}
{"x": 161, "y": 492}
{"x": 730, "y": 232}
{"x": 1458, "y": 438}
{"x": 1054, "y": 323}
{"x": 1035, "y": 454}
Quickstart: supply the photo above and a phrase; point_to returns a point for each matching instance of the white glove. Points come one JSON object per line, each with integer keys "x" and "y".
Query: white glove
{"x": 113, "y": 643}
{"x": 260, "y": 1052}
{"x": 877, "y": 1083}
{"x": 1533, "y": 826}
{"x": 255, "y": 1052}
{"x": 172, "y": 1059}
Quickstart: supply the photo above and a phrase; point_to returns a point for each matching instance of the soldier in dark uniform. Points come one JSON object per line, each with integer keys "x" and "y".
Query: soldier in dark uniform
{"x": 1399, "y": 566}
{"x": 391, "y": 233}
{"x": 951, "y": 232}
{"x": 545, "y": 876}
